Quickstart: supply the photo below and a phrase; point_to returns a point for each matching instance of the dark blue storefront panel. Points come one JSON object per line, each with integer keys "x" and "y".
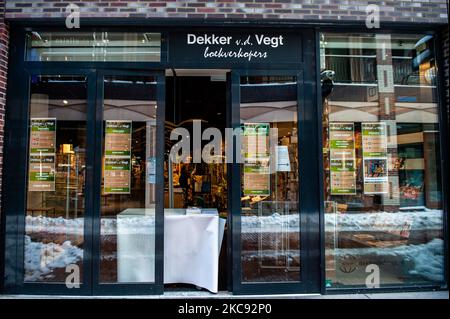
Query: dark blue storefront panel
{"x": 249, "y": 49}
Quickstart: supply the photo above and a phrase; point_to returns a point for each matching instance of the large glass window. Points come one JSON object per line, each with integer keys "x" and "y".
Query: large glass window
{"x": 270, "y": 221}
{"x": 382, "y": 178}
{"x": 56, "y": 178}
{"x": 94, "y": 46}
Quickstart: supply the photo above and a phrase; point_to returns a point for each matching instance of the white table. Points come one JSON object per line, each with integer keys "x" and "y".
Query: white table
{"x": 191, "y": 247}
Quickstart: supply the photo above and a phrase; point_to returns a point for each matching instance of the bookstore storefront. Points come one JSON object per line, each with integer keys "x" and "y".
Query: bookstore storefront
{"x": 251, "y": 160}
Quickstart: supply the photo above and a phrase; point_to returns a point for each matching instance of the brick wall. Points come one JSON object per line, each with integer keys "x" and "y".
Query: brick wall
{"x": 445, "y": 54}
{"x": 4, "y": 39}
{"x": 310, "y": 10}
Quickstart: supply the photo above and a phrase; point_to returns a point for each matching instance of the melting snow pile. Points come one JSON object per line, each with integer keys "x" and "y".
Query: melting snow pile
{"x": 425, "y": 259}
{"x": 381, "y": 221}
{"x": 428, "y": 260}
{"x": 41, "y": 259}
{"x": 428, "y": 219}
{"x": 58, "y": 225}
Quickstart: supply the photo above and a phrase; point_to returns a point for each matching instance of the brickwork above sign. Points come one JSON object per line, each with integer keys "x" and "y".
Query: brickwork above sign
{"x": 433, "y": 11}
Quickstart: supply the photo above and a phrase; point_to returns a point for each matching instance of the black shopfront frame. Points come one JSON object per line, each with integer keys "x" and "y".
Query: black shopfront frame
{"x": 16, "y": 140}
{"x": 309, "y": 194}
{"x": 15, "y": 191}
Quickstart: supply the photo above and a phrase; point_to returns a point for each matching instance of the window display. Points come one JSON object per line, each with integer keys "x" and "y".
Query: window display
{"x": 93, "y": 46}
{"x": 384, "y": 86}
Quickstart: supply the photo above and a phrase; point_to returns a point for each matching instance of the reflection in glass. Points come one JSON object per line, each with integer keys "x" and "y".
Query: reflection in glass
{"x": 270, "y": 185}
{"x": 128, "y": 181}
{"x": 94, "y": 46}
{"x": 56, "y": 177}
{"x": 382, "y": 187}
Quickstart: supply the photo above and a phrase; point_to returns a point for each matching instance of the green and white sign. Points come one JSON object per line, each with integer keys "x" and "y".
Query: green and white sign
{"x": 117, "y": 175}
{"x": 41, "y": 159}
{"x": 375, "y": 160}
{"x": 256, "y": 149}
{"x": 117, "y": 166}
{"x": 118, "y": 138}
{"x": 342, "y": 159}
{"x": 42, "y": 135}
{"x": 41, "y": 173}
{"x": 374, "y": 140}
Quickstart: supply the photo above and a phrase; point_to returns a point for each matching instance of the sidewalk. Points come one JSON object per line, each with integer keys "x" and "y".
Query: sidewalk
{"x": 224, "y": 295}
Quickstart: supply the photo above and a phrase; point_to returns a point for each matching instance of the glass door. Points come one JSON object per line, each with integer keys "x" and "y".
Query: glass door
{"x": 50, "y": 174}
{"x": 128, "y": 224}
{"x": 270, "y": 220}
{"x": 84, "y": 206}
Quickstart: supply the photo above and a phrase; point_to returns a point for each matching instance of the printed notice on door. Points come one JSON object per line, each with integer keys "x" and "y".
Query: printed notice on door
{"x": 255, "y": 143}
{"x": 41, "y": 174}
{"x": 117, "y": 166}
{"x": 375, "y": 161}
{"x": 283, "y": 162}
{"x": 117, "y": 175}
{"x": 342, "y": 159}
{"x": 118, "y": 138}
{"x": 41, "y": 163}
{"x": 42, "y": 135}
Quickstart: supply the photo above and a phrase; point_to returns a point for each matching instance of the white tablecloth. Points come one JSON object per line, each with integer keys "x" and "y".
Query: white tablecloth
{"x": 191, "y": 247}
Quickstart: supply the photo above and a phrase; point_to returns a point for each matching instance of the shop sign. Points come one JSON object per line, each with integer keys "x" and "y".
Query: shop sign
{"x": 233, "y": 47}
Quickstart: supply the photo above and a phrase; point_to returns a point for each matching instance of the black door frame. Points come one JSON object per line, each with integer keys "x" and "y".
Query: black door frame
{"x": 17, "y": 123}
{"x": 16, "y": 127}
{"x": 129, "y": 288}
{"x": 309, "y": 280}
{"x": 16, "y": 169}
